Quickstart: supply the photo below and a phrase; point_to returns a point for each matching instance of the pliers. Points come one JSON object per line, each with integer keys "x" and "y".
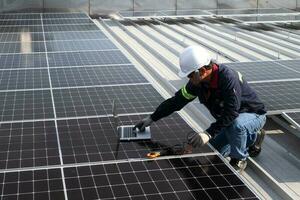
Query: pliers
{"x": 178, "y": 149}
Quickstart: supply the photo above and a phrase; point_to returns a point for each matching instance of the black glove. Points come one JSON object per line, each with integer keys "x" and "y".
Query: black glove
{"x": 198, "y": 139}
{"x": 143, "y": 124}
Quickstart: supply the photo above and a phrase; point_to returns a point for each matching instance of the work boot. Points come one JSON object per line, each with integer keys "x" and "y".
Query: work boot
{"x": 255, "y": 148}
{"x": 238, "y": 165}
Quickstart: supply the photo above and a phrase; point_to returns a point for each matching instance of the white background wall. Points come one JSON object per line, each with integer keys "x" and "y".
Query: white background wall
{"x": 99, "y": 6}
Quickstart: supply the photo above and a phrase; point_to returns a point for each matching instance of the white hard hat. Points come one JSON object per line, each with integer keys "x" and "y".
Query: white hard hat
{"x": 192, "y": 58}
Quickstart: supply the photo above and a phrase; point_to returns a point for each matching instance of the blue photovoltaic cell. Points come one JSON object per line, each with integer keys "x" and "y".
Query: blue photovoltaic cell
{"x": 24, "y": 79}
{"x": 67, "y": 21}
{"x": 82, "y": 27}
{"x": 76, "y": 102}
{"x": 262, "y": 71}
{"x": 279, "y": 96}
{"x": 81, "y": 45}
{"x": 18, "y": 16}
{"x": 87, "y": 58}
{"x": 20, "y": 29}
{"x": 64, "y": 15}
{"x": 74, "y": 35}
{"x": 98, "y": 75}
{"x": 12, "y": 61}
{"x": 25, "y": 105}
{"x": 22, "y": 47}
{"x": 18, "y": 37}
{"x": 45, "y": 184}
{"x": 292, "y": 64}
{"x": 28, "y": 144}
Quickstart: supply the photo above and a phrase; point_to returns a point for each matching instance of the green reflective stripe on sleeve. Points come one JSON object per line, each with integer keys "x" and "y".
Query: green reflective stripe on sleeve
{"x": 186, "y": 94}
{"x": 240, "y": 76}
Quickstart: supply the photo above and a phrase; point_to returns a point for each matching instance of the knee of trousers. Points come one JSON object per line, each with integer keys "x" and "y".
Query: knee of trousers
{"x": 236, "y": 128}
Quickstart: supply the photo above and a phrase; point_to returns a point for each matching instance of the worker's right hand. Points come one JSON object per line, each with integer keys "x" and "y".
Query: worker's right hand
{"x": 143, "y": 124}
{"x": 198, "y": 139}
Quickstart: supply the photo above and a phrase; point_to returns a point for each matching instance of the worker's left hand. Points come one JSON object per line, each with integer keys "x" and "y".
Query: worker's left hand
{"x": 198, "y": 139}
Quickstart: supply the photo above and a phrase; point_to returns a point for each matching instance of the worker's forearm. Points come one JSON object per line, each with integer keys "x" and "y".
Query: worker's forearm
{"x": 168, "y": 107}
{"x": 164, "y": 109}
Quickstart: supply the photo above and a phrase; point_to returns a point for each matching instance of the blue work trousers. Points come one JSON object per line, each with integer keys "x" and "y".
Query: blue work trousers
{"x": 234, "y": 140}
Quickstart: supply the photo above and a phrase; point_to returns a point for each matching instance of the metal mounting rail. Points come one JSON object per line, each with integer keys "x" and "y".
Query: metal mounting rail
{"x": 169, "y": 64}
{"x": 198, "y": 41}
{"x": 227, "y": 46}
{"x": 297, "y": 34}
{"x": 165, "y": 45}
{"x": 234, "y": 30}
{"x": 247, "y": 46}
{"x": 183, "y": 44}
{"x": 287, "y": 38}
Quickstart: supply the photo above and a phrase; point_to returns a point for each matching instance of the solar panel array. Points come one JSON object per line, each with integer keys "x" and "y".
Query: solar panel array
{"x": 269, "y": 19}
{"x": 58, "y": 77}
{"x": 277, "y": 83}
{"x": 252, "y": 11}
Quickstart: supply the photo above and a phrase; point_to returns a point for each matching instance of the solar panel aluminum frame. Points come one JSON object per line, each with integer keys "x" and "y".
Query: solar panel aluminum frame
{"x": 286, "y": 116}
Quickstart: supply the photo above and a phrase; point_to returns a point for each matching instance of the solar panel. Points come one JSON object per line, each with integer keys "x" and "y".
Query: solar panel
{"x": 141, "y": 13}
{"x": 76, "y": 102}
{"x": 262, "y": 71}
{"x": 28, "y": 144}
{"x": 32, "y": 184}
{"x": 25, "y": 105}
{"x": 64, "y": 15}
{"x": 268, "y": 18}
{"x": 22, "y": 47}
{"x": 67, "y": 21}
{"x": 82, "y": 27}
{"x": 23, "y": 61}
{"x": 19, "y": 22}
{"x": 17, "y": 16}
{"x": 80, "y": 45}
{"x": 292, "y": 64}
{"x": 98, "y": 75}
{"x": 20, "y": 37}
{"x": 202, "y": 177}
{"x": 250, "y": 11}
{"x": 24, "y": 79}
{"x": 20, "y": 29}
{"x": 279, "y": 96}
{"x": 94, "y": 139}
{"x": 79, "y": 35}
{"x": 87, "y": 58}
{"x": 190, "y": 12}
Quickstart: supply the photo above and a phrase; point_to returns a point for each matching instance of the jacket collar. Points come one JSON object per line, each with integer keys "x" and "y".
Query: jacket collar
{"x": 215, "y": 77}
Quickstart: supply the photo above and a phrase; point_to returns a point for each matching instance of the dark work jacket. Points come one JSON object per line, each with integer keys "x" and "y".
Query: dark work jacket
{"x": 225, "y": 96}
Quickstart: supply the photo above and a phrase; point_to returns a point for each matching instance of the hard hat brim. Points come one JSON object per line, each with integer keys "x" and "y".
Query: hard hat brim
{"x": 182, "y": 74}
